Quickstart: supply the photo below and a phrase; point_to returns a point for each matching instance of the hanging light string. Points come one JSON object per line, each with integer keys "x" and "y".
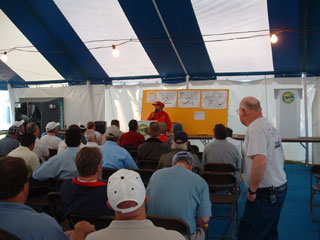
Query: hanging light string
{"x": 177, "y": 39}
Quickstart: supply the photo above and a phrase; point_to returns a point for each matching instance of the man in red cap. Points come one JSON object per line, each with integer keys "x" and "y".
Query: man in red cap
{"x": 160, "y": 115}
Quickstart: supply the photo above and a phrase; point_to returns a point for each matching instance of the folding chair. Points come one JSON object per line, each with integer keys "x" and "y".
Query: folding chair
{"x": 99, "y": 222}
{"x": 315, "y": 188}
{"x": 107, "y": 172}
{"x": 223, "y": 190}
{"x": 130, "y": 148}
{"x": 52, "y": 152}
{"x": 145, "y": 174}
{"x": 147, "y": 164}
{"x": 55, "y": 184}
{"x": 54, "y": 202}
{"x": 134, "y": 155}
{"x": 37, "y": 192}
{"x": 223, "y": 168}
{"x": 171, "y": 223}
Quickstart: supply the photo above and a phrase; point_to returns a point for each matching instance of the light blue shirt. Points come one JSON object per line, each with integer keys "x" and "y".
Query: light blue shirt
{"x": 115, "y": 156}
{"x": 27, "y": 224}
{"x": 62, "y": 165}
{"x": 178, "y": 192}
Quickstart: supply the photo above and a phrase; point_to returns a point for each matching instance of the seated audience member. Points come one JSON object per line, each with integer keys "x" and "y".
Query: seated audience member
{"x": 220, "y": 150}
{"x": 25, "y": 152}
{"x": 51, "y": 140}
{"x": 233, "y": 141}
{"x": 86, "y": 195}
{"x": 127, "y": 197}
{"x": 91, "y": 139}
{"x": 116, "y": 123}
{"x": 178, "y": 192}
{"x": 9, "y": 142}
{"x": 132, "y": 138}
{"x": 83, "y": 129}
{"x": 40, "y": 148}
{"x": 21, "y": 220}
{"x": 63, "y": 164}
{"x": 92, "y": 126}
{"x": 163, "y": 129}
{"x": 176, "y": 128}
{"x": 152, "y": 149}
{"x": 180, "y": 143}
{"x": 115, "y": 156}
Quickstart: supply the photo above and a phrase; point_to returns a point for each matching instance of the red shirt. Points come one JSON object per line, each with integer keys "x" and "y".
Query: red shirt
{"x": 163, "y": 138}
{"x": 161, "y": 117}
{"x": 131, "y": 138}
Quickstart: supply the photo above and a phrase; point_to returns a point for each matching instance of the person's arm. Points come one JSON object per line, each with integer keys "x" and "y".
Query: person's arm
{"x": 81, "y": 230}
{"x": 46, "y": 170}
{"x": 169, "y": 124}
{"x": 129, "y": 162}
{"x": 259, "y": 163}
{"x": 151, "y": 116}
{"x": 202, "y": 221}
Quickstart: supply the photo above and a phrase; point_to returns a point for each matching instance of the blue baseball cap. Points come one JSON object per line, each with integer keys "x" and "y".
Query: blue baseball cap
{"x": 179, "y": 155}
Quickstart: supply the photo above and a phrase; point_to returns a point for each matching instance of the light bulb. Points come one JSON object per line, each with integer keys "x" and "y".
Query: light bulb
{"x": 4, "y": 57}
{"x": 115, "y": 52}
{"x": 274, "y": 38}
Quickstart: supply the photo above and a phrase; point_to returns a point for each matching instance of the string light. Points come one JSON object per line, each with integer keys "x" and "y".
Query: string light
{"x": 115, "y": 52}
{"x": 274, "y": 38}
{"x": 4, "y": 57}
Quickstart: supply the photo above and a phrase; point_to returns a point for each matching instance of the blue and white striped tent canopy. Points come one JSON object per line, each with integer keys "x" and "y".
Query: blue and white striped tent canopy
{"x": 56, "y": 41}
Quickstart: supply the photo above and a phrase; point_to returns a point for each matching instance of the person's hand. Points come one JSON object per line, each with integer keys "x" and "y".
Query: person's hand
{"x": 81, "y": 230}
{"x": 251, "y": 197}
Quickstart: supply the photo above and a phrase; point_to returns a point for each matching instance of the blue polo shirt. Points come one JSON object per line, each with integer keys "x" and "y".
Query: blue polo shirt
{"x": 7, "y": 144}
{"x": 27, "y": 224}
{"x": 62, "y": 165}
{"x": 178, "y": 192}
{"x": 115, "y": 156}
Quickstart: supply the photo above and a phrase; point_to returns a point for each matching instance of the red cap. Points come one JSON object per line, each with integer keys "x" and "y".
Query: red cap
{"x": 158, "y": 103}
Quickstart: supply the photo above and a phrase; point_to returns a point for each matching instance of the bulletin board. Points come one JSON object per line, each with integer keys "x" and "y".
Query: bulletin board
{"x": 198, "y": 110}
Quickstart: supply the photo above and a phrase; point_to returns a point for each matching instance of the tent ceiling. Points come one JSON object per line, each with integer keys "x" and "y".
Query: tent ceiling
{"x": 72, "y": 39}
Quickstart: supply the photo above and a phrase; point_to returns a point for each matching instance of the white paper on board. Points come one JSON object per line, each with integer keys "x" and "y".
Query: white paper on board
{"x": 199, "y": 115}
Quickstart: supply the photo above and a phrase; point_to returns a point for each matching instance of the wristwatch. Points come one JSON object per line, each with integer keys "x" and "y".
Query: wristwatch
{"x": 251, "y": 193}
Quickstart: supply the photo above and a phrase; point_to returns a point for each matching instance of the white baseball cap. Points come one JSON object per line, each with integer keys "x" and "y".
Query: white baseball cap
{"x": 52, "y": 125}
{"x": 82, "y": 125}
{"x": 18, "y": 123}
{"x": 113, "y": 131}
{"x": 125, "y": 185}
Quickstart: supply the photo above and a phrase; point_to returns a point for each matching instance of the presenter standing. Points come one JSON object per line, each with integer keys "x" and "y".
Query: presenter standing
{"x": 160, "y": 115}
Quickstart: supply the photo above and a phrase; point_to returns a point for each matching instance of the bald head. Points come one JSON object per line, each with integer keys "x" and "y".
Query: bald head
{"x": 250, "y": 103}
{"x": 249, "y": 110}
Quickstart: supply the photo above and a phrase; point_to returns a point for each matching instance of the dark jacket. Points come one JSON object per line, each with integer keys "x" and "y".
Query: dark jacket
{"x": 152, "y": 150}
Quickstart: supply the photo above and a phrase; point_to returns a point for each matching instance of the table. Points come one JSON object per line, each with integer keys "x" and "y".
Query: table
{"x": 300, "y": 140}
{"x": 204, "y": 138}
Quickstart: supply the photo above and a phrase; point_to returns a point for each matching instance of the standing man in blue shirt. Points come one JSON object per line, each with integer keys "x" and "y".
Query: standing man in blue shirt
{"x": 115, "y": 156}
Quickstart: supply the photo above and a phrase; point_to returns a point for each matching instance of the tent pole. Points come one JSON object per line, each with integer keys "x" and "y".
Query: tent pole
{"x": 187, "y": 81}
{"x": 305, "y": 98}
{"x": 11, "y": 100}
{"x": 170, "y": 39}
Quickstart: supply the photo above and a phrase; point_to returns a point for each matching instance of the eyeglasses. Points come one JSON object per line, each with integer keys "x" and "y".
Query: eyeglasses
{"x": 238, "y": 110}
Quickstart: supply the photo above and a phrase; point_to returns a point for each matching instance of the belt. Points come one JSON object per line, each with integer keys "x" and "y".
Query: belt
{"x": 269, "y": 189}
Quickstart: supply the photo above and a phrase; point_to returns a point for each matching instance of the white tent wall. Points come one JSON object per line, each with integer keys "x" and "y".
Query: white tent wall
{"x": 316, "y": 122}
{"x": 81, "y": 103}
{"x": 124, "y": 103}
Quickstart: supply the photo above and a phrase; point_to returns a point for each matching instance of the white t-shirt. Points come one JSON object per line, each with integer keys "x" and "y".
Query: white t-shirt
{"x": 41, "y": 150}
{"x": 99, "y": 137}
{"x": 262, "y": 138}
{"x": 52, "y": 142}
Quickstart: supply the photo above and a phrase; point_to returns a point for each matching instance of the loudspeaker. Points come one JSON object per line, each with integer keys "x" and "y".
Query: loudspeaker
{"x": 101, "y": 126}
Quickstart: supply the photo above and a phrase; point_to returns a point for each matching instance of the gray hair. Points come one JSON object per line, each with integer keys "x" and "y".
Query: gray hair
{"x": 90, "y": 135}
{"x": 32, "y": 127}
{"x": 179, "y": 146}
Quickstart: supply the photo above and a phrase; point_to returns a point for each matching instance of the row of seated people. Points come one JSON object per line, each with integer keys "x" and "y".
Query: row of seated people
{"x": 70, "y": 135}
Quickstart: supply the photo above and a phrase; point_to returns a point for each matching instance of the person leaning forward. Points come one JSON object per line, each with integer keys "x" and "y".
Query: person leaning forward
{"x": 263, "y": 174}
